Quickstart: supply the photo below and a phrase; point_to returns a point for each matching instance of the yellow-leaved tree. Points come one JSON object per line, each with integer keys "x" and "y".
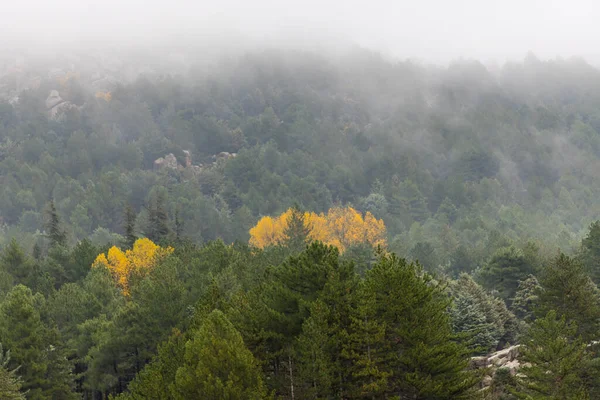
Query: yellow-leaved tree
{"x": 141, "y": 258}
{"x": 342, "y": 227}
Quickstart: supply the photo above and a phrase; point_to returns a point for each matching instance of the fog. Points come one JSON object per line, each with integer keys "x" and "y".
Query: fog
{"x": 429, "y": 30}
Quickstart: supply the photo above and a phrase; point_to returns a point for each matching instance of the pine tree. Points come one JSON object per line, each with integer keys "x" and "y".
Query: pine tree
{"x": 130, "y": 217}
{"x": 554, "y": 360}
{"x": 162, "y": 217}
{"x": 504, "y": 270}
{"x": 412, "y": 346}
{"x": 217, "y": 365}
{"x": 10, "y": 382}
{"x": 296, "y": 232}
{"x": 158, "y": 219}
{"x": 590, "y": 251}
{"x": 567, "y": 289}
{"x": 179, "y": 226}
{"x": 157, "y": 380}
{"x": 36, "y": 348}
{"x": 56, "y": 234}
{"x": 14, "y": 261}
{"x": 313, "y": 349}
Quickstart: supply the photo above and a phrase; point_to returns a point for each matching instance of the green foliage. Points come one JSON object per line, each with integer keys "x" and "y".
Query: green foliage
{"x": 129, "y": 227}
{"x": 158, "y": 220}
{"x": 157, "y": 380}
{"x": 296, "y": 232}
{"x": 590, "y": 251}
{"x": 504, "y": 270}
{"x": 526, "y": 298}
{"x": 416, "y": 354}
{"x": 568, "y": 290}
{"x": 55, "y": 232}
{"x": 10, "y": 382}
{"x": 46, "y": 372}
{"x": 557, "y": 358}
{"x": 482, "y": 319}
{"x": 217, "y": 364}
{"x": 15, "y": 262}
{"x": 459, "y": 171}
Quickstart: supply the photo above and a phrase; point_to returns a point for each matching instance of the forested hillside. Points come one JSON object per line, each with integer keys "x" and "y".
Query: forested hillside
{"x": 288, "y": 224}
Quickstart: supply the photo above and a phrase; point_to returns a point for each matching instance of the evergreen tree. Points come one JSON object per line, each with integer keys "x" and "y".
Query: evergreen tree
{"x": 157, "y": 380}
{"x": 296, "y": 233}
{"x": 80, "y": 260}
{"x": 526, "y": 298}
{"x": 158, "y": 219}
{"x": 411, "y": 343}
{"x": 14, "y": 261}
{"x": 36, "y": 348}
{"x": 590, "y": 251}
{"x": 469, "y": 320}
{"x": 217, "y": 364}
{"x": 179, "y": 226}
{"x": 129, "y": 228}
{"x": 555, "y": 361}
{"x": 424, "y": 253}
{"x": 10, "y": 382}
{"x": 505, "y": 269}
{"x": 55, "y": 232}
{"x": 315, "y": 365}
{"x": 503, "y": 323}
{"x": 461, "y": 261}
{"x": 567, "y": 289}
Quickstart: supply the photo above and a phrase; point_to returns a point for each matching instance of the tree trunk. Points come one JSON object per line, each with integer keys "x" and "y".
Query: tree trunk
{"x": 291, "y": 377}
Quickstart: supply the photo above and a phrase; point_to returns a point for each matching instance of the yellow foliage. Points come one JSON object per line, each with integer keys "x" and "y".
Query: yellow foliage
{"x": 63, "y": 80}
{"x": 144, "y": 256}
{"x": 341, "y": 227}
{"x": 106, "y": 96}
{"x": 268, "y": 231}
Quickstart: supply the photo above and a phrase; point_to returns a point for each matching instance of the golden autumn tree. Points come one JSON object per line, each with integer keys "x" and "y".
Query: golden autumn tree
{"x": 341, "y": 227}
{"x": 141, "y": 258}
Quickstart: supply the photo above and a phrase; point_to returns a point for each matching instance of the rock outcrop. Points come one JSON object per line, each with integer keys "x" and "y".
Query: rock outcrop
{"x": 505, "y": 358}
{"x": 167, "y": 162}
{"x": 170, "y": 162}
{"x": 57, "y": 107}
{"x": 224, "y": 155}
{"x": 53, "y": 99}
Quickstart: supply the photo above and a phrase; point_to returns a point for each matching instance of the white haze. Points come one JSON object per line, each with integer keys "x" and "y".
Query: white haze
{"x": 426, "y": 30}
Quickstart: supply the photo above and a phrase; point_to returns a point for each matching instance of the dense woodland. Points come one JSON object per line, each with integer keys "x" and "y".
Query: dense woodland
{"x": 336, "y": 227}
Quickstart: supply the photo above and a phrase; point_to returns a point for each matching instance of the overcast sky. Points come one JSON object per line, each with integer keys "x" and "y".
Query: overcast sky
{"x": 429, "y": 30}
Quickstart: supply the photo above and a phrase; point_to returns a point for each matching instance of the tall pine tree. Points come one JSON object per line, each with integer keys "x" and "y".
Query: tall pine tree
{"x": 408, "y": 337}
{"x": 158, "y": 218}
{"x": 54, "y": 230}
{"x": 129, "y": 226}
{"x": 296, "y": 233}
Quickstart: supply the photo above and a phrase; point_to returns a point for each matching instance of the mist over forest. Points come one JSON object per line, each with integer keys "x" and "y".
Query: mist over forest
{"x": 261, "y": 202}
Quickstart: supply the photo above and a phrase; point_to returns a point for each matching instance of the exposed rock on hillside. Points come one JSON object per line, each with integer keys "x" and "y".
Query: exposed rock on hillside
{"x": 506, "y": 358}
{"x": 57, "y": 107}
{"x": 169, "y": 161}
